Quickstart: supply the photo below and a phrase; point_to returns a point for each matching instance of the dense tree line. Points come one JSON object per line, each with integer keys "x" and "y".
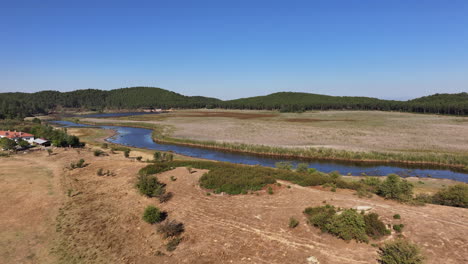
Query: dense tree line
{"x": 20, "y": 105}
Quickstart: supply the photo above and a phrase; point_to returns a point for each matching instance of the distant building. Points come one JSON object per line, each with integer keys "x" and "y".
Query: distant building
{"x": 17, "y": 136}
{"x": 42, "y": 142}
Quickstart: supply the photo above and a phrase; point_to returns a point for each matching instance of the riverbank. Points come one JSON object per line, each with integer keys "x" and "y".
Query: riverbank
{"x": 161, "y": 135}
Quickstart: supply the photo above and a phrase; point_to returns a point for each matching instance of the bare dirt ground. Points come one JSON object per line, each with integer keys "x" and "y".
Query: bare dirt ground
{"x": 99, "y": 220}
{"x": 350, "y": 130}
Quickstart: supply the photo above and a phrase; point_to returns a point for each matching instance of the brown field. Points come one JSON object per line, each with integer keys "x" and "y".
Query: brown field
{"x": 349, "y": 130}
{"x": 53, "y": 215}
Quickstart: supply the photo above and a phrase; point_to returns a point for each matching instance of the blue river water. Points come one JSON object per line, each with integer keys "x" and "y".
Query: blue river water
{"x": 141, "y": 138}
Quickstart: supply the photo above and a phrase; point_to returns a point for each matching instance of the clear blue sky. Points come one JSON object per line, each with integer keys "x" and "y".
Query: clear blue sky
{"x": 230, "y": 49}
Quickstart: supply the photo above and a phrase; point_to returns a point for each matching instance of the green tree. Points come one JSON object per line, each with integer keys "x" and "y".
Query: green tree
{"x": 7, "y": 144}
{"x": 400, "y": 252}
{"x": 395, "y": 188}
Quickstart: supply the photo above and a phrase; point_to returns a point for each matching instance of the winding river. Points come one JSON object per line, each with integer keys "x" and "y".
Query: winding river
{"x": 141, "y": 138}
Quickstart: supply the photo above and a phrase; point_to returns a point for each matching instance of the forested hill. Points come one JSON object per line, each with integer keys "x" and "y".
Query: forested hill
{"x": 14, "y": 105}
{"x": 19, "y": 105}
{"x": 452, "y": 104}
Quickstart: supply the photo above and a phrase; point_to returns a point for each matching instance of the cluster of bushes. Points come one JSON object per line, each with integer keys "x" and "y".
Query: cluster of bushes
{"x": 163, "y": 157}
{"x": 348, "y": 224}
{"x": 100, "y": 172}
{"x": 149, "y": 185}
{"x": 58, "y": 137}
{"x": 98, "y": 153}
{"x": 455, "y": 195}
{"x": 400, "y": 252}
{"x": 236, "y": 180}
{"x": 79, "y": 164}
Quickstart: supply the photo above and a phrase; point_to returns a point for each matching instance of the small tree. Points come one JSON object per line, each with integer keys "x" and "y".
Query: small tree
{"x": 157, "y": 156}
{"x": 127, "y": 153}
{"x": 293, "y": 222}
{"x": 455, "y": 195}
{"x": 152, "y": 215}
{"x": 400, "y": 252}
{"x": 284, "y": 165}
{"x": 395, "y": 188}
{"x": 302, "y": 167}
{"x": 7, "y": 144}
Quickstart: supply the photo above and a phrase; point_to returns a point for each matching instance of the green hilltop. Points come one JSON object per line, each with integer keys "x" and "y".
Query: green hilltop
{"x": 19, "y": 105}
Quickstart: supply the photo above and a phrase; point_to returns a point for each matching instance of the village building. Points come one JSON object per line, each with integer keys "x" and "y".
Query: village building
{"x": 16, "y": 136}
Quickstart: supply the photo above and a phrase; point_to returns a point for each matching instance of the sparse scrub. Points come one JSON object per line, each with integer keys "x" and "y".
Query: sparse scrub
{"x": 270, "y": 190}
{"x": 302, "y": 167}
{"x": 171, "y": 228}
{"x": 152, "y": 215}
{"x": 400, "y": 252}
{"x": 398, "y": 228}
{"x": 80, "y": 164}
{"x": 127, "y": 153}
{"x": 98, "y": 153}
{"x": 163, "y": 198}
{"x": 284, "y": 165}
{"x": 173, "y": 243}
{"x": 139, "y": 158}
{"x": 293, "y": 222}
{"x": 396, "y": 216}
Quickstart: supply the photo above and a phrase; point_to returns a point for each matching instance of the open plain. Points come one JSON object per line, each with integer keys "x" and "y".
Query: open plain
{"x": 75, "y": 216}
{"x": 345, "y": 130}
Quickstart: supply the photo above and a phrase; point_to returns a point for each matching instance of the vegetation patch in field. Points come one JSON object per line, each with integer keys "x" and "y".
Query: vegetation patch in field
{"x": 346, "y": 224}
{"x": 400, "y": 252}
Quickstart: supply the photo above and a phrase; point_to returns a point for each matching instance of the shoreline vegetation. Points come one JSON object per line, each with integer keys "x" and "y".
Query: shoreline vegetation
{"x": 159, "y": 135}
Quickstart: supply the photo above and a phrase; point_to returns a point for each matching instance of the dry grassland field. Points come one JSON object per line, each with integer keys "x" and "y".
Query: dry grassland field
{"x": 347, "y": 130}
{"x": 50, "y": 214}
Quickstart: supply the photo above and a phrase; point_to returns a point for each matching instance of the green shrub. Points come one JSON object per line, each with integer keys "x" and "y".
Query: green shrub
{"x": 393, "y": 187}
{"x": 455, "y": 195}
{"x": 173, "y": 243}
{"x": 152, "y": 215}
{"x": 270, "y": 190}
{"x": 171, "y": 228}
{"x": 155, "y": 168}
{"x": 398, "y": 228}
{"x": 139, "y": 158}
{"x": 375, "y": 228}
{"x": 236, "y": 180}
{"x": 302, "y": 167}
{"x": 396, "y": 216}
{"x": 127, "y": 153}
{"x": 320, "y": 216}
{"x": 80, "y": 163}
{"x": 293, "y": 222}
{"x": 284, "y": 165}
{"x": 98, "y": 152}
{"x": 173, "y": 178}
{"x": 400, "y": 252}
{"x": 348, "y": 225}
{"x": 150, "y": 186}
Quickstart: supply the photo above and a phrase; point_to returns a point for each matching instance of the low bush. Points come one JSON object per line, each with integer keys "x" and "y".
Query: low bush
{"x": 171, "y": 228}
{"x": 139, "y": 158}
{"x": 284, "y": 165}
{"x": 165, "y": 197}
{"x": 80, "y": 164}
{"x": 455, "y": 195}
{"x": 393, "y": 187}
{"x": 150, "y": 186}
{"x": 98, "y": 152}
{"x": 173, "y": 243}
{"x": 396, "y": 216}
{"x": 155, "y": 168}
{"x": 127, "y": 153}
{"x": 152, "y": 215}
{"x": 236, "y": 180}
{"x": 293, "y": 222}
{"x": 375, "y": 228}
{"x": 400, "y": 252}
{"x": 302, "y": 167}
{"x": 105, "y": 145}
{"x": 347, "y": 225}
{"x": 398, "y": 228}
{"x": 270, "y": 190}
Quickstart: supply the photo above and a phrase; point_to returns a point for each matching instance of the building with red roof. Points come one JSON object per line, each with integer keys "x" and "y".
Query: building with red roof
{"x": 14, "y": 135}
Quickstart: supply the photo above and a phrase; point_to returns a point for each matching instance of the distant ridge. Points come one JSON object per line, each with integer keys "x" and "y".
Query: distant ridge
{"x": 19, "y": 105}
